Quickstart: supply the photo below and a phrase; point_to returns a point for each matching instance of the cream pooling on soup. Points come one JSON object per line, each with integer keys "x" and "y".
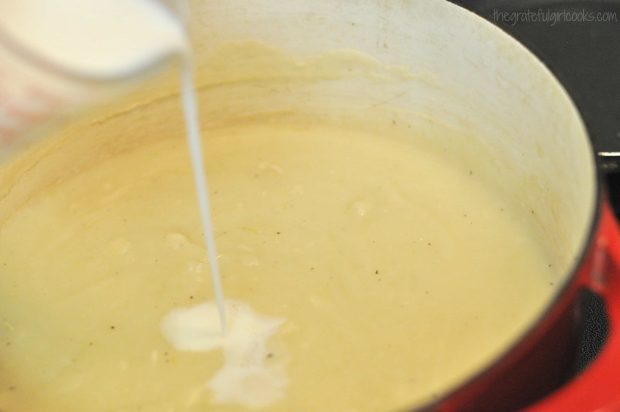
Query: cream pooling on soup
{"x": 365, "y": 256}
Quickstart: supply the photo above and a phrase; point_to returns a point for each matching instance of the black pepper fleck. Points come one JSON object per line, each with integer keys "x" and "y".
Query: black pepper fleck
{"x": 377, "y": 272}
{"x": 112, "y": 327}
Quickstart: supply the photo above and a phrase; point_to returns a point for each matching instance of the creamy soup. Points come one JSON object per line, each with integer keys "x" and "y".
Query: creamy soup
{"x": 379, "y": 274}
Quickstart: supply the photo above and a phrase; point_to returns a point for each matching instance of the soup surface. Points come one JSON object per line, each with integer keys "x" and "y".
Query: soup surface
{"x": 389, "y": 274}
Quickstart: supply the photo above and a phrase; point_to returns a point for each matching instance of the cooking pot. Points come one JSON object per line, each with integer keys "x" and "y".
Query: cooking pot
{"x": 426, "y": 65}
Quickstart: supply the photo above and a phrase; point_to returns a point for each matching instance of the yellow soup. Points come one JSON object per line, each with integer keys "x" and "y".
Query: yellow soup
{"x": 389, "y": 274}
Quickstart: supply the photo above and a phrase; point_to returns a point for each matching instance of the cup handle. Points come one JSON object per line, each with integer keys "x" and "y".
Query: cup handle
{"x": 597, "y": 388}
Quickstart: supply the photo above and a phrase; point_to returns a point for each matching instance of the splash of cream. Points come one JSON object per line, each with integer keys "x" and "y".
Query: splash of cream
{"x": 248, "y": 377}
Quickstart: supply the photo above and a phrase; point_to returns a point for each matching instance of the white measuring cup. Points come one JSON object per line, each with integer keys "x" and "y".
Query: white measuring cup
{"x": 59, "y": 58}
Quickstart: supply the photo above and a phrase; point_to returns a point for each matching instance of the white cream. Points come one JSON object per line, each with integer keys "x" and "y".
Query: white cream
{"x": 94, "y": 37}
{"x": 249, "y": 376}
{"x": 194, "y": 142}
